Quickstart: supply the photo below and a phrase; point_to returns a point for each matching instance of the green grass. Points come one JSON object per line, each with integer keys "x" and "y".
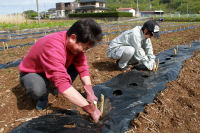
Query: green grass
{"x": 34, "y": 24}
{"x": 180, "y": 19}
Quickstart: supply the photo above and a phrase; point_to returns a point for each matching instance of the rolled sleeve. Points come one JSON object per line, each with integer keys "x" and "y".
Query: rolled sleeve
{"x": 63, "y": 87}
{"x": 149, "y": 64}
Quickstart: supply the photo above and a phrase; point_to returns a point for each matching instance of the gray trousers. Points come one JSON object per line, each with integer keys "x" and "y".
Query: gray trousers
{"x": 125, "y": 55}
{"x": 38, "y": 86}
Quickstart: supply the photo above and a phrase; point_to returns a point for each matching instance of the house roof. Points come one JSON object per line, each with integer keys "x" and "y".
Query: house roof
{"x": 52, "y": 9}
{"x": 84, "y": 1}
{"x": 124, "y": 8}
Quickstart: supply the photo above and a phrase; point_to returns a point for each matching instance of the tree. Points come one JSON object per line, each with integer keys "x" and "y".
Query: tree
{"x": 30, "y": 14}
{"x": 165, "y": 1}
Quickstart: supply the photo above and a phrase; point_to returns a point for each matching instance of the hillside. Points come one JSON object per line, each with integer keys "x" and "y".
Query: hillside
{"x": 168, "y": 6}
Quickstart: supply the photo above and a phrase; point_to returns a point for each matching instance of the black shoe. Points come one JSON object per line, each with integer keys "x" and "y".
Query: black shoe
{"x": 55, "y": 91}
{"x": 42, "y": 103}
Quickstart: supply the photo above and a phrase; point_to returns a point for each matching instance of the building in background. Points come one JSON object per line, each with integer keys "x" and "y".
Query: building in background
{"x": 151, "y": 13}
{"x": 64, "y": 8}
{"x": 127, "y": 10}
{"x": 52, "y": 13}
{"x": 91, "y": 6}
{"x": 146, "y": 13}
{"x": 85, "y": 6}
{"x": 159, "y": 12}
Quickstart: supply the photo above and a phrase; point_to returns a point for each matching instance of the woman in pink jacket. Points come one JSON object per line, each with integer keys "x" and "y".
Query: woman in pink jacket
{"x": 58, "y": 58}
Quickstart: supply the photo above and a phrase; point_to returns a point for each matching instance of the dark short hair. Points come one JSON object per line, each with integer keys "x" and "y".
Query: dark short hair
{"x": 86, "y": 30}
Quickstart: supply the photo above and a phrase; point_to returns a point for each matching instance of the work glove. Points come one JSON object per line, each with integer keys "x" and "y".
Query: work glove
{"x": 90, "y": 93}
{"x": 93, "y": 111}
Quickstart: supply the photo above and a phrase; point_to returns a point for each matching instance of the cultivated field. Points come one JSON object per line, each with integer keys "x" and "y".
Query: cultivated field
{"x": 176, "y": 109}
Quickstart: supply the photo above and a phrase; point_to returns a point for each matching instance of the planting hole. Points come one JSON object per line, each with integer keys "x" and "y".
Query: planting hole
{"x": 133, "y": 84}
{"x": 172, "y": 55}
{"x": 117, "y": 92}
{"x": 162, "y": 63}
{"x": 167, "y": 58}
{"x": 145, "y": 76}
{"x": 8, "y": 63}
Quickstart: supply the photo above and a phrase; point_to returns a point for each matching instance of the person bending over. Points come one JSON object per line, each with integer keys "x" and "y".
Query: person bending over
{"x": 134, "y": 46}
{"x": 58, "y": 58}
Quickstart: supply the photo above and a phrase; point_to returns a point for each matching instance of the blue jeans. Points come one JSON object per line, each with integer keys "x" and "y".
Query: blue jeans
{"x": 37, "y": 85}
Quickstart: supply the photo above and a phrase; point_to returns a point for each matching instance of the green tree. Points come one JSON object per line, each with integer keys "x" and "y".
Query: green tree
{"x": 30, "y": 14}
{"x": 165, "y": 5}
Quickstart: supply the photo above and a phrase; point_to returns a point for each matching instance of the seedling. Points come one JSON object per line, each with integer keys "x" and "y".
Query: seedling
{"x": 176, "y": 50}
{"x": 154, "y": 66}
{"x": 3, "y": 46}
{"x": 9, "y": 36}
{"x": 190, "y": 45}
{"x": 6, "y": 45}
{"x": 157, "y": 64}
{"x": 102, "y": 104}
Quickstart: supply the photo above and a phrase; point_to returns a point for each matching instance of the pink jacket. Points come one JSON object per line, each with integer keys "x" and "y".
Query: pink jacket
{"x": 50, "y": 56}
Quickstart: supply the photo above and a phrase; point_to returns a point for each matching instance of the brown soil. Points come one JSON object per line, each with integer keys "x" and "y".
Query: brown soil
{"x": 176, "y": 109}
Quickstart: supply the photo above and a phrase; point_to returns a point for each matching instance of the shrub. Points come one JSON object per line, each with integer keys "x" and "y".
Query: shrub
{"x": 30, "y": 14}
{"x": 104, "y": 14}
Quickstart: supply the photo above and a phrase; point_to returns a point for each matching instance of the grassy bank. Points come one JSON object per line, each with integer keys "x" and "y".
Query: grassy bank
{"x": 29, "y": 24}
{"x": 183, "y": 18}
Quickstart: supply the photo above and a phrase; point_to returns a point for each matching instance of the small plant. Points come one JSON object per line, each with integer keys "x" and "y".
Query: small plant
{"x": 175, "y": 51}
{"x": 190, "y": 45}
{"x": 155, "y": 66}
{"x": 102, "y": 104}
{"x": 106, "y": 20}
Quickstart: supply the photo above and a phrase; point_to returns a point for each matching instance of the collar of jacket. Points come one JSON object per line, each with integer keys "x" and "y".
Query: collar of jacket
{"x": 142, "y": 34}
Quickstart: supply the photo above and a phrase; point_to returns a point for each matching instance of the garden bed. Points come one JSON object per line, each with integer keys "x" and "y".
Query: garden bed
{"x": 176, "y": 109}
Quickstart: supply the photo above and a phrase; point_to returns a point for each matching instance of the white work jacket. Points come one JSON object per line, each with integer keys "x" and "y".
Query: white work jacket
{"x": 135, "y": 38}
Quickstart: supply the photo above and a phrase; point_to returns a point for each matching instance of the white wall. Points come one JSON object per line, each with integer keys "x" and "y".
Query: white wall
{"x": 97, "y": 4}
{"x": 60, "y": 13}
{"x": 132, "y": 11}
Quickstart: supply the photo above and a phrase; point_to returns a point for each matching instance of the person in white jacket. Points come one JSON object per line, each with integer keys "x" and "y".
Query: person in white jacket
{"x": 134, "y": 46}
